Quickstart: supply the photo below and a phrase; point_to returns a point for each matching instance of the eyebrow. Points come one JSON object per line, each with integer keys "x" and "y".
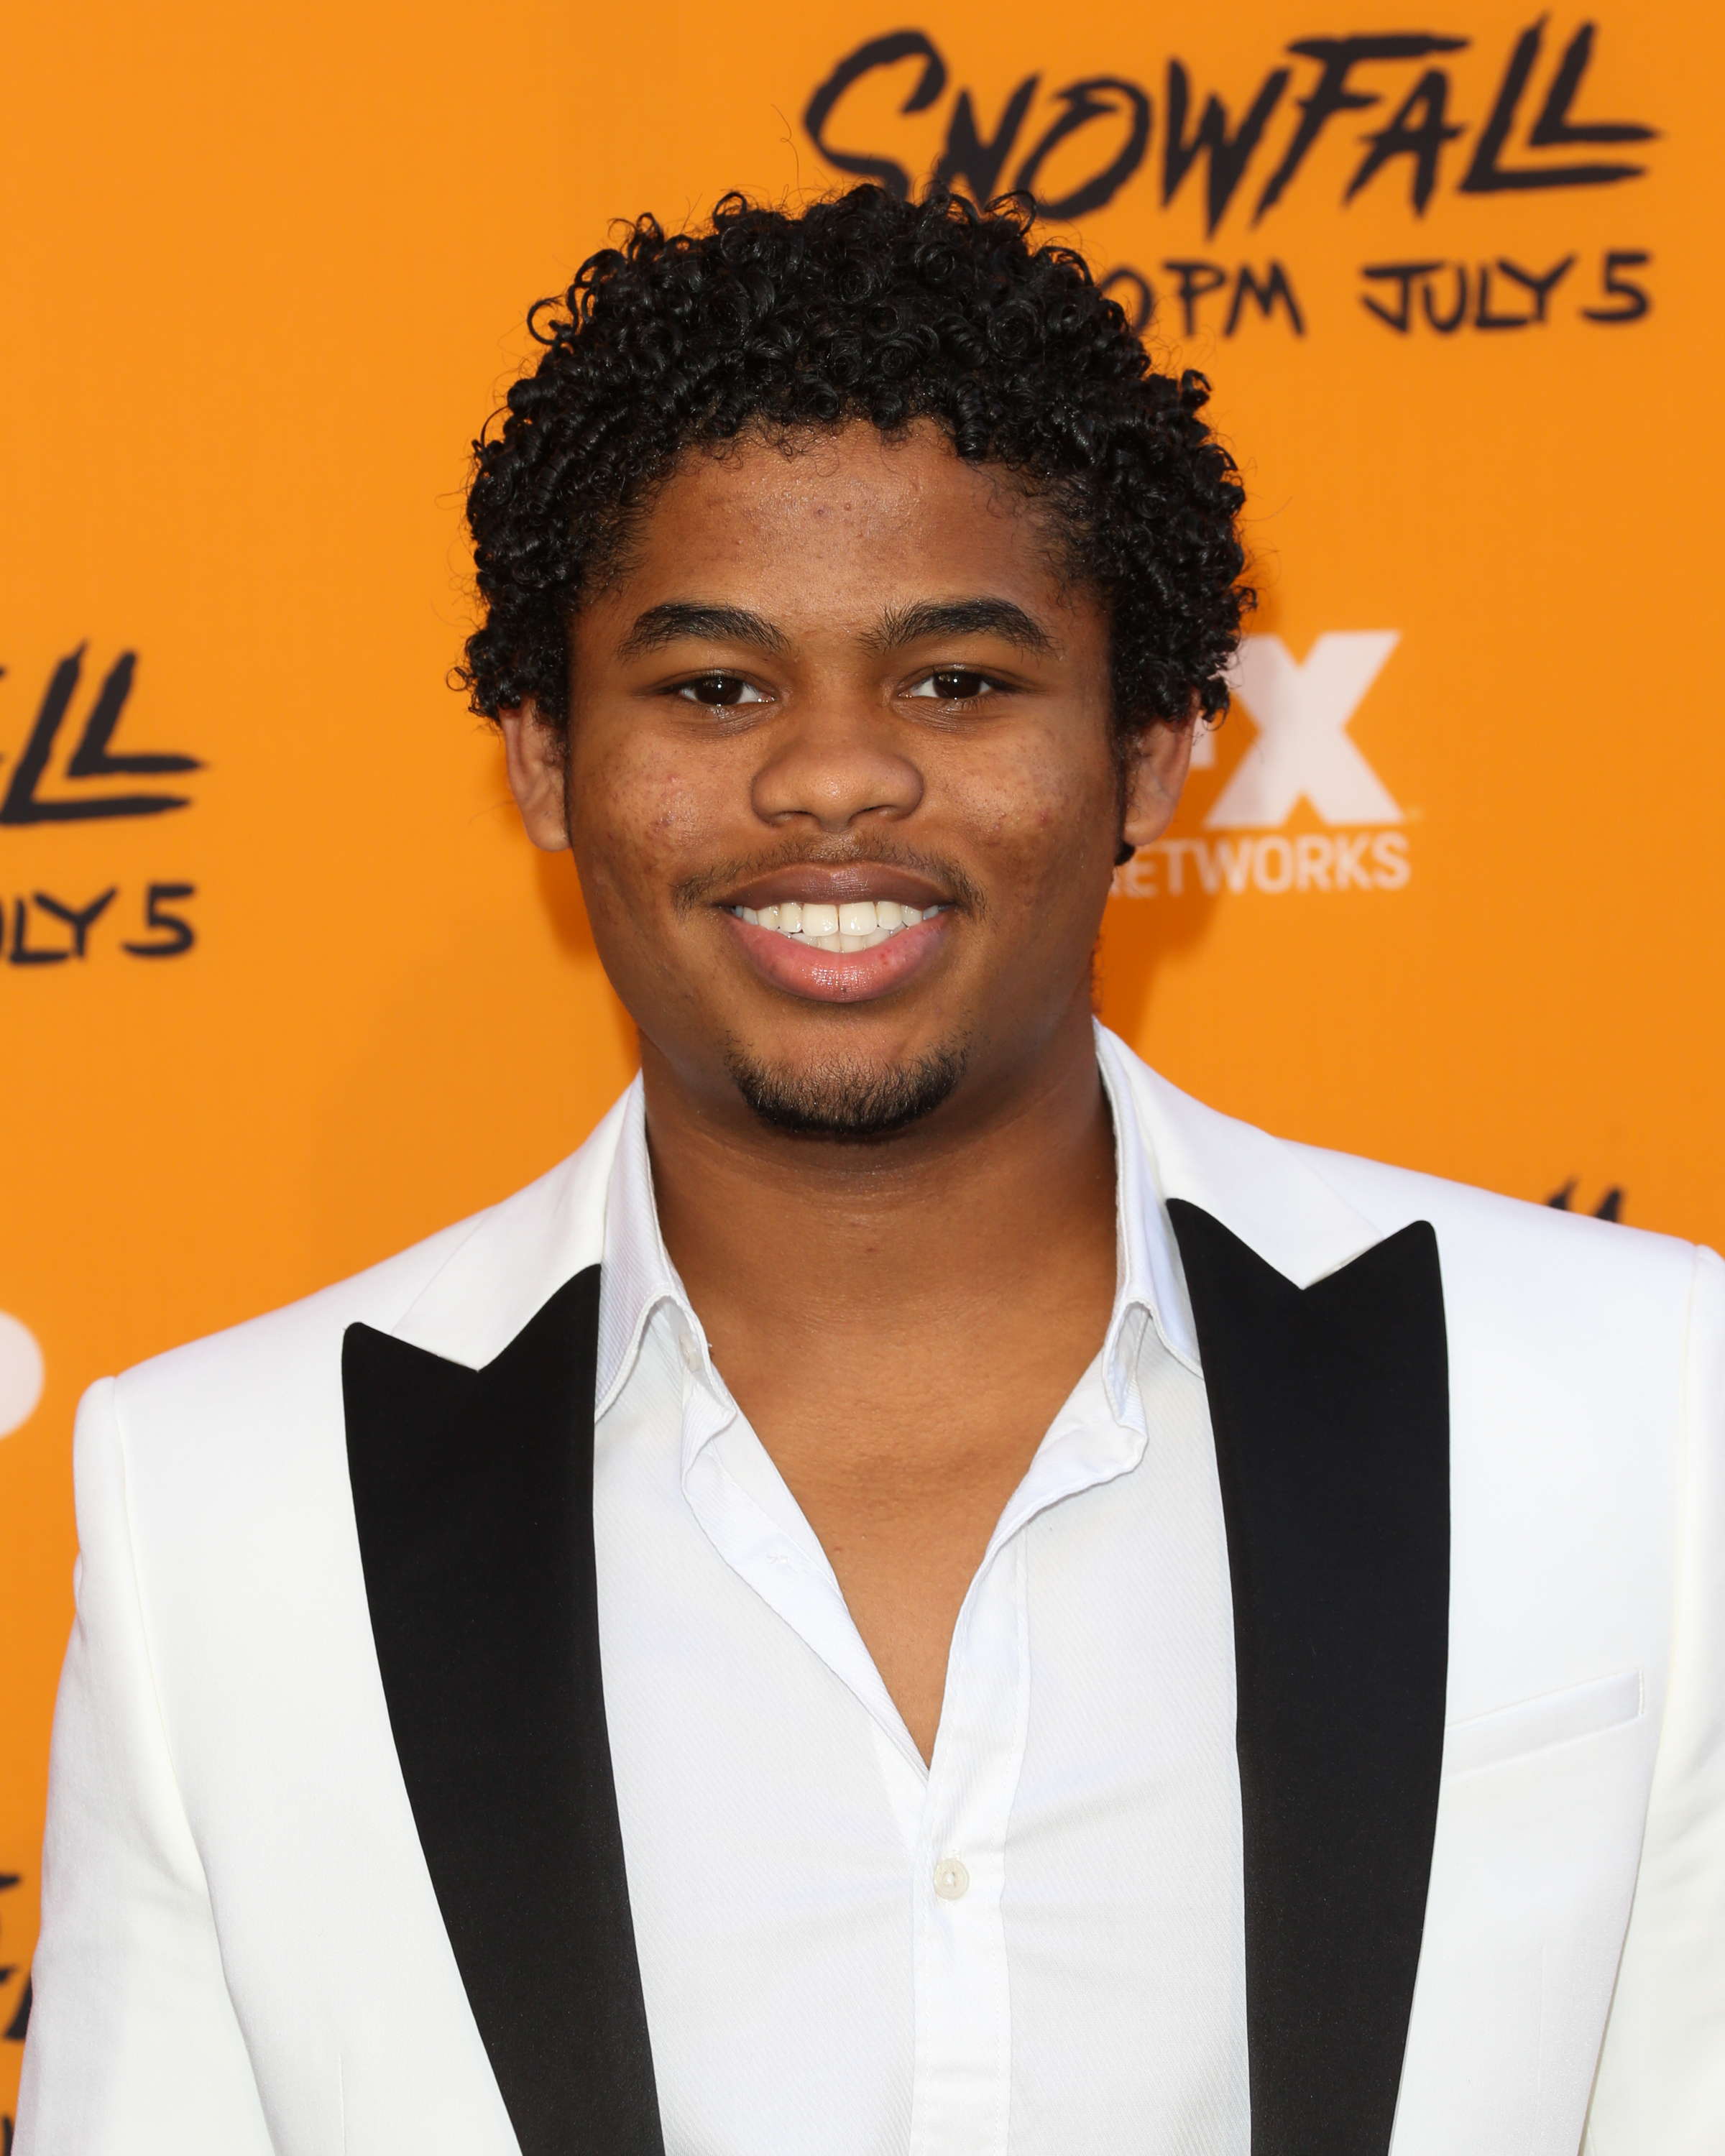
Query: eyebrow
{"x": 677, "y": 620}
{"x": 976, "y": 616}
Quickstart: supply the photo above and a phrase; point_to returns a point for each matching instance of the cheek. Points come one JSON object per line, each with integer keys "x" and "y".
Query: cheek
{"x": 1042, "y": 813}
{"x": 639, "y": 811}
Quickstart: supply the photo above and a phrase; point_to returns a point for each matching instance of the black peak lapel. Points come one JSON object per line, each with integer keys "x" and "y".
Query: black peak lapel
{"x": 1330, "y": 1407}
{"x": 473, "y": 1493}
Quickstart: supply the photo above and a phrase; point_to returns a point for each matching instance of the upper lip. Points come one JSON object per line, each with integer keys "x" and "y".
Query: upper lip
{"x": 836, "y": 884}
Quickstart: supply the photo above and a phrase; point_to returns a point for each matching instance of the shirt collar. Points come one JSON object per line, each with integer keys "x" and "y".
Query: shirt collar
{"x": 1152, "y": 1279}
{"x": 637, "y": 1277}
{"x": 1150, "y": 1292}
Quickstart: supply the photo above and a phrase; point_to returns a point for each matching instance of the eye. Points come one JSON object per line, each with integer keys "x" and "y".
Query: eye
{"x": 954, "y": 684}
{"x": 719, "y": 691}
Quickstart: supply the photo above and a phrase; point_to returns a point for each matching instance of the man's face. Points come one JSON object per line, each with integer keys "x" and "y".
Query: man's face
{"x": 841, "y": 687}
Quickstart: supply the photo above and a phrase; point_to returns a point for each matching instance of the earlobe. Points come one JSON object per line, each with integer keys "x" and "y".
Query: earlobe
{"x": 534, "y": 753}
{"x": 1156, "y": 782}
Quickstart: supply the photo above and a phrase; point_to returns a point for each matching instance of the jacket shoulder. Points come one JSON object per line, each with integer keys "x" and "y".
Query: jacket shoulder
{"x": 273, "y": 1341}
{"x": 1308, "y": 1211}
{"x": 1520, "y": 1247}
{"x": 267, "y": 1365}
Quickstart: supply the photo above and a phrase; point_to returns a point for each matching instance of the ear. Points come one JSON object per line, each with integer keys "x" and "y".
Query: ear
{"x": 1157, "y": 779}
{"x": 534, "y": 753}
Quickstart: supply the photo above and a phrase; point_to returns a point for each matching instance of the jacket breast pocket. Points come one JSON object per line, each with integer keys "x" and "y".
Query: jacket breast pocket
{"x": 1535, "y": 1725}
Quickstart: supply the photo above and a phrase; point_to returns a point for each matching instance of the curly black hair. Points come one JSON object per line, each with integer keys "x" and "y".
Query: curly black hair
{"x": 859, "y": 306}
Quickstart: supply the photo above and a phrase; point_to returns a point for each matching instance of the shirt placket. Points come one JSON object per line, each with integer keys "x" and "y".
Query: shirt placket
{"x": 962, "y": 2081}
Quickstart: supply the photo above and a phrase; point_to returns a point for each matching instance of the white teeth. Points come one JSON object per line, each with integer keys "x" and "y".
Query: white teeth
{"x": 858, "y": 925}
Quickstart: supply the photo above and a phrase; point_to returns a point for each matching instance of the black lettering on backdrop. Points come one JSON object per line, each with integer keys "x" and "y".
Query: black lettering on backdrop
{"x": 79, "y": 919}
{"x": 1610, "y": 1207}
{"x": 47, "y": 928}
{"x": 1485, "y": 316}
{"x": 1417, "y": 132}
{"x": 1447, "y": 324}
{"x": 1085, "y": 101}
{"x": 1143, "y": 304}
{"x": 1333, "y": 94}
{"x": 1488, "y": 174}
{"x": 1228, "y": 155}
{"x": 1554, "y": 130}
{"x": 8, "y": 1881}
{"x": 92, "y": 759}
{"x": 1402, "y": 275}
{"x": 878, "y": 52}
{"x": 1275, "y": 286}
{"x": 1400, "y": 285}
{"x": 1401, "y": 137}
{"x": 20, "y": 2021}
{"x": 176, "y": 931}
{"x": 36, "y": 940}
{"x": 1195, "y": 281}
{"x": 1539, "y": 285}
{"x": 22, "y": 951}
{"x": 1615, "y": 286}
{"x": 977, "y": 160}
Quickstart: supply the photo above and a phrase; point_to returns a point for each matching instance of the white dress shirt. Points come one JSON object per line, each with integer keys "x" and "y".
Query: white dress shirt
{"x": 1034, "y": 1945}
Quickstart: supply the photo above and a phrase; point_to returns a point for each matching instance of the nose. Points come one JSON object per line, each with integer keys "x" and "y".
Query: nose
{"x": 833, "y": 766}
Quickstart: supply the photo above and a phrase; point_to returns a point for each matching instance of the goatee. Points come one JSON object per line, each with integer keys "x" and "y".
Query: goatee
{"x": 847, "y": 1101}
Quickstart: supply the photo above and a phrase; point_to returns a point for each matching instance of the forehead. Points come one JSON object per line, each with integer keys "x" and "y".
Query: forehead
{"x": 849, "y": 518}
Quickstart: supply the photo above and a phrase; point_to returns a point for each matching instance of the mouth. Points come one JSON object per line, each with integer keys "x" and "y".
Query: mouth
{"x": 839, "y": 935}
{"x": 860, "y": 924}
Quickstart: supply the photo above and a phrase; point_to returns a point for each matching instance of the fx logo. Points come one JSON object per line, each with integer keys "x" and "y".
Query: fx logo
{"x": 1303, "y": 749}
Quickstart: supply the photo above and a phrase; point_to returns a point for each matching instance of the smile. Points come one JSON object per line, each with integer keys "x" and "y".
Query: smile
{"x": 860, "y": 925}
{"x": 836, "y": 951}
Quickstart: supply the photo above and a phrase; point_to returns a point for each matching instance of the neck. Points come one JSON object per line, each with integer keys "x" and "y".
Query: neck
{"x": 1011, "y": 1179}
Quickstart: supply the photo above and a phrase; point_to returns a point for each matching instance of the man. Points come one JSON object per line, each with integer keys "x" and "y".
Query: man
{"x": 923, "y": 1592}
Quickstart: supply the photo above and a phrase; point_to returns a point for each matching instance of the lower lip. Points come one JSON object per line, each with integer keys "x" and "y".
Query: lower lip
{"x": 839, "y": 976}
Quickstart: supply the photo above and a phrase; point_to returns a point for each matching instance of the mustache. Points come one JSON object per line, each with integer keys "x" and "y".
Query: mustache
{"x": 693, "y": 892}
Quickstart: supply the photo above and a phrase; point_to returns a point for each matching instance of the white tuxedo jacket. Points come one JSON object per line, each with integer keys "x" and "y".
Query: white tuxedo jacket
{"x": 333, "y": 1861}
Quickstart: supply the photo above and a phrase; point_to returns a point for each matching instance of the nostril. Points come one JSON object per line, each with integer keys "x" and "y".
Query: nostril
{"x": 834, "y": 780}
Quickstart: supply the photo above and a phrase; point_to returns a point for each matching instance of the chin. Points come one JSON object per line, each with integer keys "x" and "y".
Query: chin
{"x": 848, "y": 1098}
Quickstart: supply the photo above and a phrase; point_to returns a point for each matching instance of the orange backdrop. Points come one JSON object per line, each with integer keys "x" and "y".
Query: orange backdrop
{"x": 1445, "y": 892}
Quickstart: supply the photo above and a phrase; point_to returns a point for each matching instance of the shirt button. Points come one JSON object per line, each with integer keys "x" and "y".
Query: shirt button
{"x": 692, "y": 1353}
{"x": 952, "y": 1881}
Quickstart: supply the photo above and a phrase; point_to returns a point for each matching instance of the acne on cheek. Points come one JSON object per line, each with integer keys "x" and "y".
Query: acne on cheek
{"x": 649, "y": 836}
{"x": 664, "y": 808}
{"x": 627, "y": 836}
{"x": 1027, "y": 814}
